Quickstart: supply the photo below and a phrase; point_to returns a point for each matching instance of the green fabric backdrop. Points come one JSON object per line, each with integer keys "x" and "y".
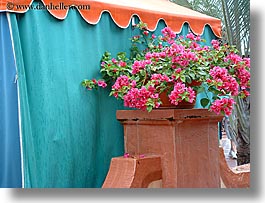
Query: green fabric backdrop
{"x": 69, "y": 134}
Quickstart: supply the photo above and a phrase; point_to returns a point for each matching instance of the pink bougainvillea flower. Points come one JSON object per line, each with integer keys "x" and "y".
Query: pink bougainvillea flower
{"x": 102, "y": 83}
{"x": 179, "y": 91}
{"x": 198, "y": 38}
{"x": 126, "y": 155}
{"x": 190, "y": 36}
{"x": 215, "y": 44}
{"x": 94, "y": 81}
{"x": 146, "y": 32}
{"x": 227, "y": 83}
{"x": 168, "y": 34}
{"x": 114, "y": 60}
{"x": 121, "y": 81}
{"x": 223, "y": 105}
{"x": 122, "y": 64}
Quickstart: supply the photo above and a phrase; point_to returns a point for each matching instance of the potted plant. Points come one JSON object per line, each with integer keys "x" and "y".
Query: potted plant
{"x": 176, "y": 66}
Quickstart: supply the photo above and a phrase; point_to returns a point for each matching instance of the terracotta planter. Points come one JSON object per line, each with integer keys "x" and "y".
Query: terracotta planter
{"x": 195, "y": 83}
{"x": 166, "y": 104}
{"x": 182, "y": 105}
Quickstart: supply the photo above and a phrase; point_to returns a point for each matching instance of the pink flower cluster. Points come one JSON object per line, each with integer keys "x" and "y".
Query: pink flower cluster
{"x": 154, "y": 55}
{"x": 242, "y": 74}
{"x": 168, "y": 34}
{"x": 175, "y": 49}
{"x": 179, "y": 91}
{"x": 228, "y": 83}
{"x": 244, "y": 77}
{"x": 90, "y": 84}
{"x": 223, "y": 105}
{"x": 102, "y": 83}
{"x": 179, "y": 55}
{"x": 247, "y": 62}
{"x": 215, "y": 44}
{"x": 158, "y": 78}
{"x": 120, "y": 83}
{"x": 184, "y": 58}
{"x": 138, "y": 65}
{"x": 236, "y": 59}
{"x": 122, "y": 64}
{"x": 138, "y": 98}
{"x": 191, "y": 36}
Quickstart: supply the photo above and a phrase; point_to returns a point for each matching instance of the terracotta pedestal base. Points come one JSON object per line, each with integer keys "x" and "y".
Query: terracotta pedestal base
{"x": 238, "y": 177}
{"x": 133, "y": 172}
{"x": 186, "y": 140}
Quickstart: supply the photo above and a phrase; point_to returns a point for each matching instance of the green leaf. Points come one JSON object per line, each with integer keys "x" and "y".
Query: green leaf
{"x": 183, "y": 78}
{"x": 142, "y": 72}
{"x": 149, "y": 108}
{"x": 214, "y": 90}
{"x": 202, "y": 73}
{"x": 84, "y": 83}
{"x": 188, "y": 79}
{"x": 192, "y": 75}
{"x": 137, "y": 78}
{"x": 215, "y": 97}
{"x": 204, "y": 102}
{"x": 231, "y": 70}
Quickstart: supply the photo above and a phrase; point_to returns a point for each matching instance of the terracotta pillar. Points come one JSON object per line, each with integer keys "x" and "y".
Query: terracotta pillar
{"x": 186, "y": 140}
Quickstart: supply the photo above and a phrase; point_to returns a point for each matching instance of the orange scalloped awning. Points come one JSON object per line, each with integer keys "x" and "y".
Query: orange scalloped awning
{"x": 121, "y": 11}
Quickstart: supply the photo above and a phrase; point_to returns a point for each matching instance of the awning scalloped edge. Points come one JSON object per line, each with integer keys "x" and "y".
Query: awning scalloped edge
{"x": 122, "y": 13}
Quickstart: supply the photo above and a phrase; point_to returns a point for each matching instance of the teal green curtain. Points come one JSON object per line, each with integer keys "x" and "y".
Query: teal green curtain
{"x": 69, "y": 134}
